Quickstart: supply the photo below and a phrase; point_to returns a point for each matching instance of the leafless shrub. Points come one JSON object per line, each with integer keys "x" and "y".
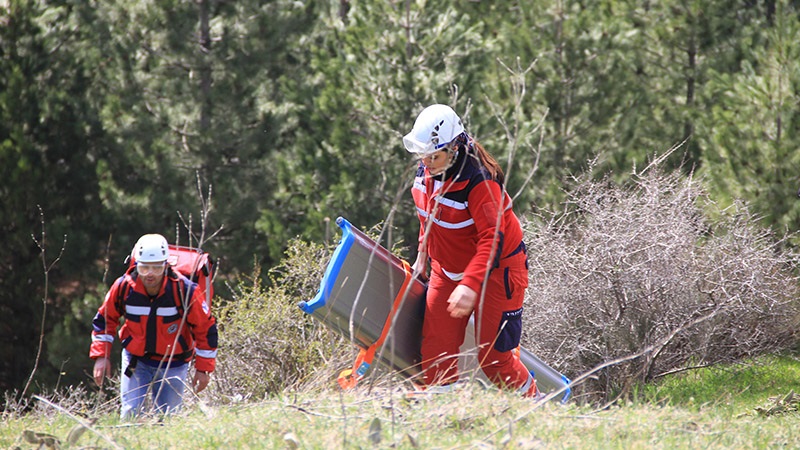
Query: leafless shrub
{"x": 654, "y": 268}
{"x": 74, "y": 398}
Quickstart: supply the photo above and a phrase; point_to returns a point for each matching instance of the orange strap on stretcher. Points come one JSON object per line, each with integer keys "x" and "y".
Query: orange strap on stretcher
{"x": 349, "y": 378}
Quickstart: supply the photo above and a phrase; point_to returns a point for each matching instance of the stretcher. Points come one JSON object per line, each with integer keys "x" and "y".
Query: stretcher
{"x": 368, "y": 295}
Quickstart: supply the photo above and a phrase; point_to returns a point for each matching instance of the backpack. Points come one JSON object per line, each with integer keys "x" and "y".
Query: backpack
{"x": 191, "y": 262}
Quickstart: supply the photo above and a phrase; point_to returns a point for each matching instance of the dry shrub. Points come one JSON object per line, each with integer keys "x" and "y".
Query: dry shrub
{"x": 78, "y": 399}
{"x": 267, "y": 344}
{"x": 650, "y": 278}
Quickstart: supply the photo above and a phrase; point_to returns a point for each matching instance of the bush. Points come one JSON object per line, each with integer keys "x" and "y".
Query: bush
{"x": 649, "y": 278}
{"x": 267, "y": 344}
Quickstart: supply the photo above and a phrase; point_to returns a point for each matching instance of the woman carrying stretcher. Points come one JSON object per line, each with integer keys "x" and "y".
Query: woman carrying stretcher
{"x": 473, "y": 242}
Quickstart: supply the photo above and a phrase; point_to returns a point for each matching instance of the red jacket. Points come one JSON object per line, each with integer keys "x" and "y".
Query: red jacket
{"x": 152, "y": 324}
{"x": 464, "y": 213}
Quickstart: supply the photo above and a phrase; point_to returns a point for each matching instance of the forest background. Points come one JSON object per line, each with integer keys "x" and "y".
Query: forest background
{"x": 118, "y": 118}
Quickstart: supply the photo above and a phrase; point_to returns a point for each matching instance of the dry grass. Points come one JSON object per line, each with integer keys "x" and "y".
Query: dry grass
{"x": 383, "y": 417}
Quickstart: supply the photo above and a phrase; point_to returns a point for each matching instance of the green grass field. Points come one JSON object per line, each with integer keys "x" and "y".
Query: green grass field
{"x": 743, "y": 406}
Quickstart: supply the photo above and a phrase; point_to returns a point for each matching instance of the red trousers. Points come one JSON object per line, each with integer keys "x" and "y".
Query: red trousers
{"x": 498, "y": 326}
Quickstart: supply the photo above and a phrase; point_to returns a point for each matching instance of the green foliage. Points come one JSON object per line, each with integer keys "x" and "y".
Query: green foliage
{"x": 727, "y": 389}
{"x": 373, "y": 69}
{"x": 756, "y": 160}
{"x": 267, "y": 344}
{"x": 192, "y": 97}
{"x": 49, "y": 141}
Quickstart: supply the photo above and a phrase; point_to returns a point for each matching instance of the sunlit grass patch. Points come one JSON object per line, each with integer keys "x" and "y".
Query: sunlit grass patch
{"x": 729, "y": 389}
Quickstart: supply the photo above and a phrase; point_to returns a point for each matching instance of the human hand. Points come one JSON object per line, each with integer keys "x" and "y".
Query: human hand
{"x": 461, "y": 301}
{"x": 200, "y": 380}
{"x": 102, "y": 369}
{"x": 420, "y": 266}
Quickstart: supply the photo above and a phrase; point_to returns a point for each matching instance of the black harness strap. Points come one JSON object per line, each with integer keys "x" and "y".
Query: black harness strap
{"x": 131, "y": 366}
{"x": 151, "y": 333}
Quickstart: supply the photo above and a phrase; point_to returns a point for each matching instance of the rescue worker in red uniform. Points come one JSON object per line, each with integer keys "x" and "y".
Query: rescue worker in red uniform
{"x": 168, "y": 323}
{"x": 473, "y": 242}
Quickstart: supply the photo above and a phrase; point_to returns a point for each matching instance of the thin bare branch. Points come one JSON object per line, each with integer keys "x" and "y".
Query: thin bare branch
{"x": 41, "y": 242}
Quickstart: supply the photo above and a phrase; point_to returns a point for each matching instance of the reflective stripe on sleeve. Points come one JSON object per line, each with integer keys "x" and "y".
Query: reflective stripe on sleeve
{"x": 210, "y": 354}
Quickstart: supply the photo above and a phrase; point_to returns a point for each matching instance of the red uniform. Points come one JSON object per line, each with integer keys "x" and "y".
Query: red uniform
{"x": 153, "y": 327}
{"x": 472, "y": 231}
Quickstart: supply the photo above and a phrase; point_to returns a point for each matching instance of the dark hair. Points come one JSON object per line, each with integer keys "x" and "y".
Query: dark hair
{"x": 487, "y": 161}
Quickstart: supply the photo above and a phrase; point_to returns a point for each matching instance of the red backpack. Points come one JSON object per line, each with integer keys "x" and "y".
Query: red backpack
{"x": 191, "y": 262}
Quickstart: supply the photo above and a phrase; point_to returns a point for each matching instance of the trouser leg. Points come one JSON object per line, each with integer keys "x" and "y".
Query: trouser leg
{"x": 168, "y": 391}
{"x": 442, "y": 335}
{"x": 133, "y": 388}
{"x": 498, "y": 322}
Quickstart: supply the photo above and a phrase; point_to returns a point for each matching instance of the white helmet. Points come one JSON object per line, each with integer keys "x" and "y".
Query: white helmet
{"x": 151, "y": 248}
{"x": 435, "y": 127}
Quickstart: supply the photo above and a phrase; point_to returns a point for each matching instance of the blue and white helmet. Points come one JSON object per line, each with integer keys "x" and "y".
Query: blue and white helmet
{"x": 435, "y": 127}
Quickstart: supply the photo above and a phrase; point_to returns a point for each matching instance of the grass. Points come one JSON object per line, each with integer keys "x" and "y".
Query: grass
{"x": 708, "y": 408}
{"x": 728, "y": 389}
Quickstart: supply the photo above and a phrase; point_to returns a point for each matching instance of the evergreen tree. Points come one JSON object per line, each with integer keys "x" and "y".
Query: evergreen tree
{"x": 50, "y": 140}
{"x": 193, "y": 93}
{"x": 750, "y": 138}
{"x": 371, "y": 71}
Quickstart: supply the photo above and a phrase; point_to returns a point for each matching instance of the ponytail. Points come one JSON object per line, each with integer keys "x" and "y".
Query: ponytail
{"x": 488, "y": 162}
{"x": 474, "y": 149}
